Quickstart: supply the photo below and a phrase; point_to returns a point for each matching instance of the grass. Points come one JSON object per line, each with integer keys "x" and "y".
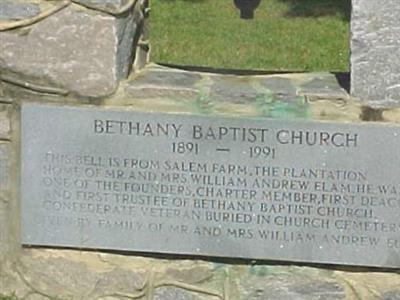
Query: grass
{"x": 8, "y": 297}
{"x": 307, "y": 35}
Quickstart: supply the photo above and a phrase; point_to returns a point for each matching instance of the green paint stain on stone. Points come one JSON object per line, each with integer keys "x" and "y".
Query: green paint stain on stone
{"x": 262, "y": 271}
{"x": 271, "y": 107}
{"x": 202, "y": 104}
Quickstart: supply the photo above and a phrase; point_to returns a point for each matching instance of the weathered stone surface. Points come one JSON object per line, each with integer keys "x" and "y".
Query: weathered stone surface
{"x": 74, "y": 275}
{"x": 74, "y": 50}
{"x": 4, "y": 98}
{"x": 5, "y": 156}
{"x": 302, "y": 95}
{"x": 281, "y": 88}
{"x": 5, "y": 126}
{"x": 4, "y": 226}
{"x": 14, "y": 93}
{"x": 103, "y": 4}
{"x": 284, "y": 283}
{"x": 190, "y": 274}
{"x": 233, "y": 89}
{"x": 167, "y": 78}
{"x": 323, "y": 86}
{"x": 64, "y": 274}
{"x": 142, "y": 56}
{"x": 171, "y": 293}
{"x": 391, "y": 295}
{"x": 392, "y": 116}
{"x": 375, "y": 47}
{"x": 11, "y": 10}
{"x": 289, "y": 88}
{"x": 160, "y": 83}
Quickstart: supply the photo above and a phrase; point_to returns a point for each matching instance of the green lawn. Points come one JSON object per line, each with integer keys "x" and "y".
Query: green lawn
{"x": 8, "y": 297}
{"x": 304, "y": 35}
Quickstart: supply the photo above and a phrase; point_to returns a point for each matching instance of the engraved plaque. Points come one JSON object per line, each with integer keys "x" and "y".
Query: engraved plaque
{"x": 212, "y": 186}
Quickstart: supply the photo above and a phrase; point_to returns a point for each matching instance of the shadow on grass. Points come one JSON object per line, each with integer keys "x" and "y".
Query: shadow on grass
{"x": 318, "y": 8}
{"x": 308, "y": 8}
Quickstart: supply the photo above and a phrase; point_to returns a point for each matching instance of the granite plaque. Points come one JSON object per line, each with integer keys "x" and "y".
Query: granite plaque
{"x": 211, "y": 186}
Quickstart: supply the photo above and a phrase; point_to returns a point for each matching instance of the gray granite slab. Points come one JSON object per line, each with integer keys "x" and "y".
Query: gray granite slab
{"x": 11, "y": 10}
{"x": 375, "y": 51}
{"x": 211, "y": 186}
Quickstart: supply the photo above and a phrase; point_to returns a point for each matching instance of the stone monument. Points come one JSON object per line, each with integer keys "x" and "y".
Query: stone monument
{"x": 375, "y": 46}
{"x": 123, "y": 179}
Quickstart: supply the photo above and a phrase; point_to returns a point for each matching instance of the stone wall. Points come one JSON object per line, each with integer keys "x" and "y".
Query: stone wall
{"x": 82, "y": 48}
{"x": 375, "y": 52}
{"x": 80, "y": 54}
{"x": 6, "y": 162}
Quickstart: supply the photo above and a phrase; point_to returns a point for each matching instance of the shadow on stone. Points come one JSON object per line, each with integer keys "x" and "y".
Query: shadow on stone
{"x": 371, "y": 114}
{"x": 224, "y": 260}
{"x": 227, "y": 71}
{"x": 343, "y": 79}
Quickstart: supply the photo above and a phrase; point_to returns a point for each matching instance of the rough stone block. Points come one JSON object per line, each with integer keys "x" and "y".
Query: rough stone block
{"x": 48, "y": 271}
{"x": 76, "y": 50}
{"x": 5, "y": 126}
{"x": 5, "y": 157}
{"x": 4, "y": 196}
{"x": 171, "y": 293}
{"x": 375, "y": 52}
{"x": 103, "y": 4}
{"x": 268, "y": 282}
{"x": 162, "y": 83}
{"x": 4, "y": 227}
{"x": 391, "y": 295}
